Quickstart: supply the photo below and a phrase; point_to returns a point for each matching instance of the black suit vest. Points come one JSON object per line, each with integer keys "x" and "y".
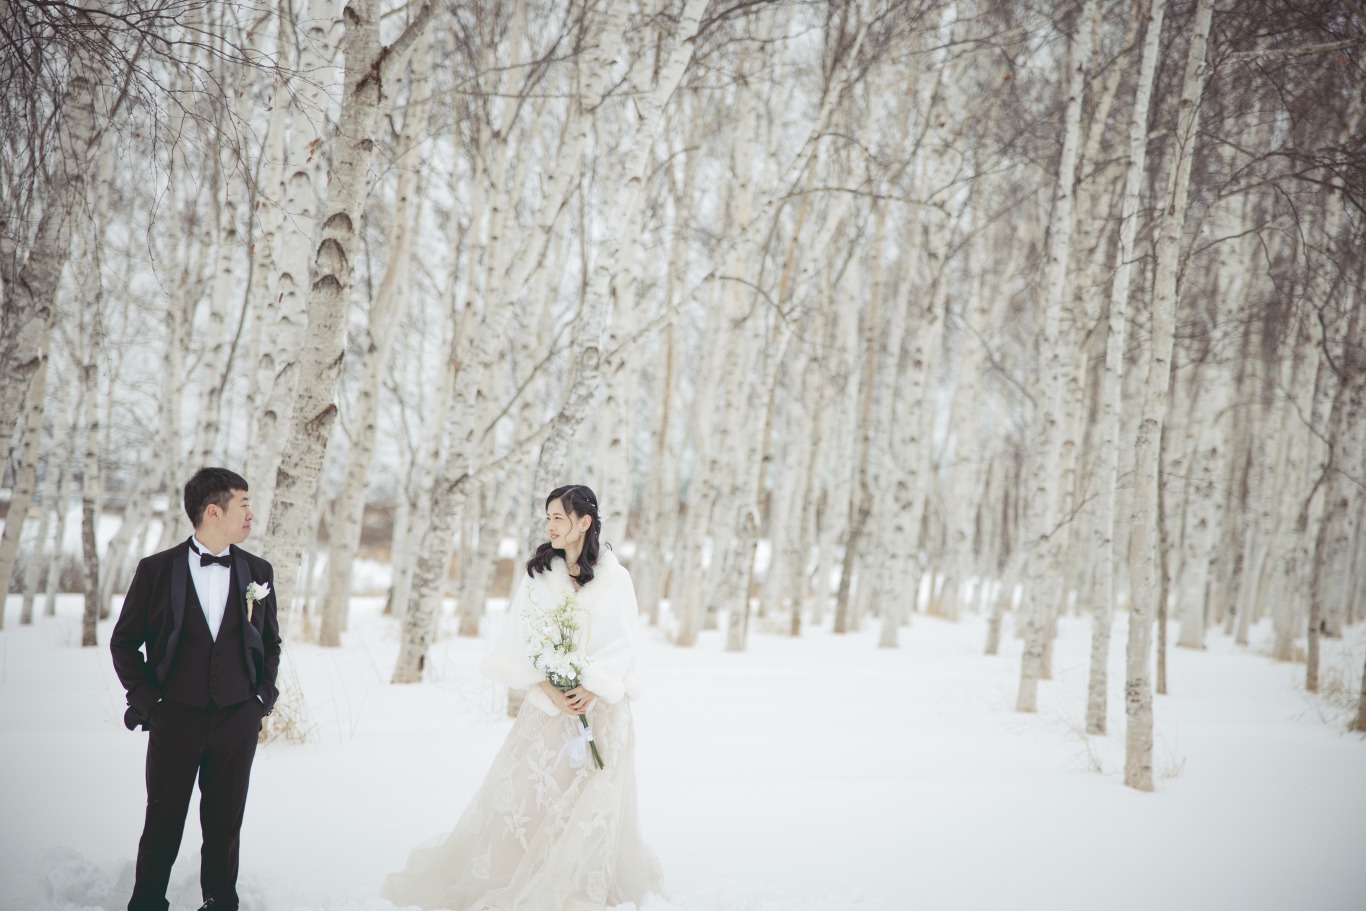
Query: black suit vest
{"x": 209, "y": 672}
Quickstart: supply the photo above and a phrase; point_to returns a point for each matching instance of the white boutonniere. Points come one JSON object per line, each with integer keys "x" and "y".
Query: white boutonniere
{"x": 256, "y": 591}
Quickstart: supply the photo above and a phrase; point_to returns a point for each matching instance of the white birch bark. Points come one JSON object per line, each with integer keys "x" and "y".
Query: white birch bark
{"x": 479, "y": 350}
{"x": 1226, "y": 570}
{"x": 789, "y": 466}
{"x": 1144, "y": 572}
{"x": 1044, "y": 543}
{"x": 66, "y": 454}
{"x": 1332, "y": 545}
{"x": 686, "y": 596}
{"x": 878, "y": 584}
{"x": 292, "y": 520}
{"x": 44, "y": 554}
{"x": 916, "y": 332}
{"x": 748, "y": 247}
{"x": 92, "y": 295}
{"x": 372, "y": 350}
{"x": 119, "y": 551}
{"x": 839, "y": 432}
{"x": 753, "y": 234}
{"x": 229, "y": 245}
{"x": 1344, "y": 584}
{"x": 30, "y": 305}
{"x": 417, "y": 497}
{"x": 747, "y": 487}
{"x": 967, "y": 453}
{"x": 1293, "y": 558}
{"x": 25, "y": 479}
{"x": 875, "y": 377}
{"x": 278, "y": 330}
{"x": 484, "y": 531}
{"x": 1203, "y": 527}
{"x": 1360, "y": 723}
{"x": 1248, "y": 437}
{"x": 999, "y": 485}
{"x": 1272, "y": 490}
{"x": 659, "y": 503}
{"x": 619, "y": 243}
{"x": 1111, "y": 420}
{"x": 916, "y": 489}
{"x": 175, "y": 524}
{"x": 789, "y": 540}
{"x": 263, "y": 296}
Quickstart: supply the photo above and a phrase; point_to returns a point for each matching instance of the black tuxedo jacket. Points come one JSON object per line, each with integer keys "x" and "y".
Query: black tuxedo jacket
{"x": 153, "y": 616}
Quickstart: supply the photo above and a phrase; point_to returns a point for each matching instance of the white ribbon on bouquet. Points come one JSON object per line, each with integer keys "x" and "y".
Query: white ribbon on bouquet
{"x": 577, "y": 747}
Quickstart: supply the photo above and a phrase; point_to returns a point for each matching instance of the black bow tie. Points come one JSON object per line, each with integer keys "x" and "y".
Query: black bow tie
{"x": 210, "y": 560}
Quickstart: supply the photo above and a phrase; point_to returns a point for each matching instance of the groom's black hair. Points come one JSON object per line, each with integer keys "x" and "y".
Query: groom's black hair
{"x": 210, "y": 485}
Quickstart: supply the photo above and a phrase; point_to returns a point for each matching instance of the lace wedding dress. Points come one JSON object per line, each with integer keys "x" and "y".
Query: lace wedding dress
{"x": 548, "y": 830}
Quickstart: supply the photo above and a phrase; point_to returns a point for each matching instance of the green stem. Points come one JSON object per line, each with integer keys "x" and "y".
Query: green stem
{"x": 592, "y": 744}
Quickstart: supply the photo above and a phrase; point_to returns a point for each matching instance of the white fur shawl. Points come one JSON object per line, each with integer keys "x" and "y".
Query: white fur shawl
{"x": 613, "y": 630}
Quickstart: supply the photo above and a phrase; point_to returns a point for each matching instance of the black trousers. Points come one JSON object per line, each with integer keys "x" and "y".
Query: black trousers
{"x": 215, "y": 745}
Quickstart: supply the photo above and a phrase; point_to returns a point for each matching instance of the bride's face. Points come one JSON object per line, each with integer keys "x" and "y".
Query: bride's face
{"x": 564, "y": 527}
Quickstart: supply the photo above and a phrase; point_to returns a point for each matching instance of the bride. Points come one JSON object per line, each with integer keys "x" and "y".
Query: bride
{"x": 548, "y": 829}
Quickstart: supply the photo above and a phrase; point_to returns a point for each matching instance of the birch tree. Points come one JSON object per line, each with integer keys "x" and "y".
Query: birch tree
{"x": 1344, "y": 463}
{"x": 45, "y": 557}
{"x": 296, "y": 174}
{"x": 1113, "y": 389}
{"x": 475, "y": 349}
{"x": 1144, "y": 570}
{"x": 1045, "y": 559}
{"x": 372, "y": 350}
{"x": 91, "y": 294}
{"x": 30, "y": 291}
{"x": 368, "y": 67}
{"x": 25, "y": 479}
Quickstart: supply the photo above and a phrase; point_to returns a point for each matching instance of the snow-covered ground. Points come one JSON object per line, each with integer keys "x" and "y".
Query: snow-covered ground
{"x": 817, "y": 774}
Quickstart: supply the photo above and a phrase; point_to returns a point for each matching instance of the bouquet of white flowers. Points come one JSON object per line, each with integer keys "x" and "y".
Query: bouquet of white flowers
{"x": 552, "y": 643}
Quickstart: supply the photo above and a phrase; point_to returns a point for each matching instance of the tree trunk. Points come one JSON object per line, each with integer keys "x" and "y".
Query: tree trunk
{"x": 54, "y": 569}
{"x": 1045, "y": 562}
{"x": 90, "y": 475}
{"x": 1332, "y": 552}
{"x": 1144, "y": 572}
{"x": 43, "y": 556}
{"x": 119, "y": 550}
{"x": 483, "y": 529}
{"x": 229, "y": 248}
{"x": 1111, "y": 418}
{"x": 282, "y": 320}
{"x": 373, "y": 351}
{"x": 1163, "y": 571}
{"x": 861, "y": 503}
{"x": 659, "y": 504}
{"x": 25, "y": 482}
{"x": 30, "y": 306}
{"x": 479, "y": 351}
{"x": 1293, "y": 559}
{"x": 1360, "y": 723}
{"x": 292, "y": 519}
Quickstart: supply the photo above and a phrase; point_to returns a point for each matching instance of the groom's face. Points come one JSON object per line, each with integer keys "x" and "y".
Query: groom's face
{"x": 233, "y": 521}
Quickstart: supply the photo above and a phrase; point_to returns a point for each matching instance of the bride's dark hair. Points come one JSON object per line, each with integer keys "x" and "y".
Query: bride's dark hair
{"x": 577, "y": 500}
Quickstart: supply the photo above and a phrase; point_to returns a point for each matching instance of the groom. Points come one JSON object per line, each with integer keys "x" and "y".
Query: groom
{"x": 207, "y": 680}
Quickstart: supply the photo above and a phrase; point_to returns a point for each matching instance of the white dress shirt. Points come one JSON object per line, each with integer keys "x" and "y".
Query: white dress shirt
{"x": 211, "y": 583}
